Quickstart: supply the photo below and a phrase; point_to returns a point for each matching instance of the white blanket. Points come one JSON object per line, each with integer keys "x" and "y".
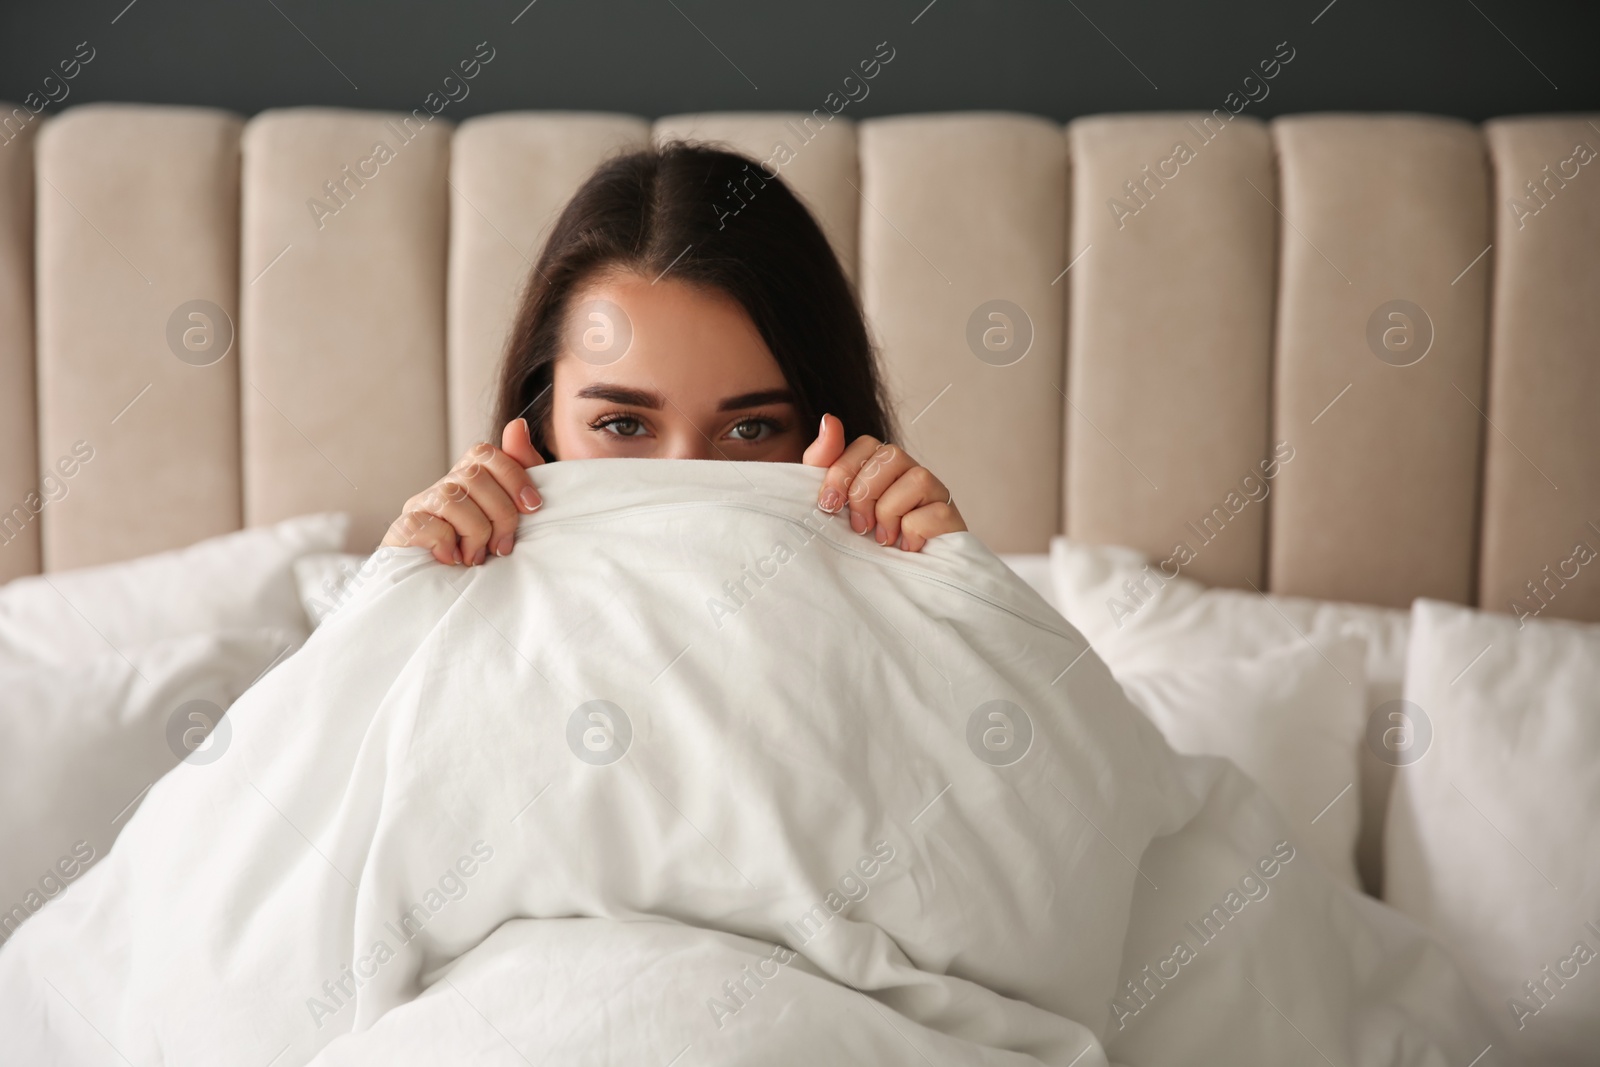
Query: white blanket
{"x": 698, "y": 776}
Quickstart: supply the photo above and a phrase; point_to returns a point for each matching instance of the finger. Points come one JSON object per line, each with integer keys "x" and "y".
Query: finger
{"x": 497, "y": 506}
{"x": 883, "y": 467}
{"x": 452, "y": 503}
{"x": 828, "y": 446}
{"x": 510, "y": 473}
{"x": 422, "y": 530}
{"x": 824, "y": 452}
{"x": 922, "y": 525}
{"x": 913, "y": 489}
{"x": 836, "y": 482}
{"x": 517, "y": 442}
{"x": 514, "y": 483}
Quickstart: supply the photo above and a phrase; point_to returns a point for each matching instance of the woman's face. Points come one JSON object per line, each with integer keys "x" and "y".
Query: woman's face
{"x": 664, "y": 370}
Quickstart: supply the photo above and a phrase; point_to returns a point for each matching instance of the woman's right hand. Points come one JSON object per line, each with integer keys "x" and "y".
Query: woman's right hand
{"x": 472, "y": 512}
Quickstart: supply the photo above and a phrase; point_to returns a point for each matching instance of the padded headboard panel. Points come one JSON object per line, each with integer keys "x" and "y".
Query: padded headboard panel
{"x": 962, "y": 212}
{"x": 1113, "y": 329}
{"x": 1170, "y": 346}
{"x": 1380, "y": 503}
{"x": 19, "y": 443}
{"x": 1542, "y": 464}
{"x": 138, "y": 216}
{"x": 343, "y": 340}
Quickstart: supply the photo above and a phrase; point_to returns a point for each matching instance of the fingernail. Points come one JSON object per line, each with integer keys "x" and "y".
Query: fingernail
{"x": 529, "y": 498}
{"x": 823, "y": 427}
{"x": 881, "y": 535}
{"x": 502, "y": 547}
{"x": 858, "y": 522}
{"x": 455, "y": 553}
{"x": 831, "y": 500}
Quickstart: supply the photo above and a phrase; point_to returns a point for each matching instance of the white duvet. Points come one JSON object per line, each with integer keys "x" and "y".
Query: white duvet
{"x": 698, "y": 776}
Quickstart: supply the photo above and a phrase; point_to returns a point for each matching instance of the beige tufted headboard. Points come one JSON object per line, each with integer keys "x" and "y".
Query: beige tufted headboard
{"x": 1205, "y": 294}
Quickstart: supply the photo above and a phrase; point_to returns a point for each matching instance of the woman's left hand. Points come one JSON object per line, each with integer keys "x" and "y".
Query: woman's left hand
{"x": 890, "y": 495}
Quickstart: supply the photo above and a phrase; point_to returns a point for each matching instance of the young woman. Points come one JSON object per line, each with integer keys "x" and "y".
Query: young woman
{"x": 686, "y": 306}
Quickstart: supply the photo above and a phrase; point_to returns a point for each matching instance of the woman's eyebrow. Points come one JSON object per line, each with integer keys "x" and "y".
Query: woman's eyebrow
{"x": 621, "y": 394}
{"x": 756, "y": 400}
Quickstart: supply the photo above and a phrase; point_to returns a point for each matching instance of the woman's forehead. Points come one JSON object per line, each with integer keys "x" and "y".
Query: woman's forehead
{"x": 623, "y": 328}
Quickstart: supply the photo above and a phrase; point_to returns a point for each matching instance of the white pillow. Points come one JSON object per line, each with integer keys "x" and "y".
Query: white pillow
{"x": 1092, "y": 586}
{"x": 1138, "y": 619}
{"x": 236, "y": 581}
{"x": 82, "y": 742}
{"x": 1287, "y": 718}
{"x": 1494, "y": 832}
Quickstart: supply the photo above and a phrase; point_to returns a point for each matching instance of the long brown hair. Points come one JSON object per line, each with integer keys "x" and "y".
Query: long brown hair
{"x": 719, "y": 220}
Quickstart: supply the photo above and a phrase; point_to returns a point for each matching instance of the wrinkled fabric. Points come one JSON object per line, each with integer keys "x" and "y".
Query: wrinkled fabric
{"x": 697, "y": 772}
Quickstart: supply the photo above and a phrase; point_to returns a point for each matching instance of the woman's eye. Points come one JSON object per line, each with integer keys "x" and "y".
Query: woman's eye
{"x": 624, "y": 427}
{"x": 752, "y": 430}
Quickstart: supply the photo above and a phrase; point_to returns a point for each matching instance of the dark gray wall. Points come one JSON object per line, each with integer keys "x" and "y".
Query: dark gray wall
{"x": 1058, "y": 58}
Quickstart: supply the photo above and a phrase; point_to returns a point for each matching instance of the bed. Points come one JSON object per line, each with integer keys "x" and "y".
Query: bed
{"x": 1295, "y": 427}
